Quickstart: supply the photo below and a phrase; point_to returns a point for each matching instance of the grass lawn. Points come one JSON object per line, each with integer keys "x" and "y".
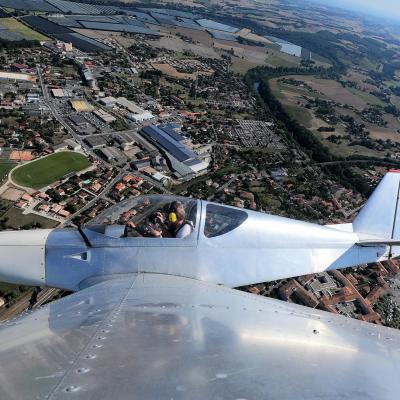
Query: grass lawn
{"x": 13, "y": 25}
{"x": 47, "y": 170}
{"x": 5, "y": 168}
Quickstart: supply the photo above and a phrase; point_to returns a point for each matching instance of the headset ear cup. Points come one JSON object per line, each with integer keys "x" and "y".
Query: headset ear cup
{"x": 172, "y": 217}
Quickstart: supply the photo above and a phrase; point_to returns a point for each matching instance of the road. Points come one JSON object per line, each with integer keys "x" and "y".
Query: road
{"x": 79, "y": 139}
{"x": 101, "y": 195}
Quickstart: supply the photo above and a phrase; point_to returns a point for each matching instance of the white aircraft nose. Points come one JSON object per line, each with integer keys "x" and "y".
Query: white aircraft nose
{"x": 22, "y": 256}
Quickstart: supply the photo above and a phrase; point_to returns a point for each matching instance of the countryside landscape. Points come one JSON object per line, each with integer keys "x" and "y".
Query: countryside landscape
{"x": 283, "y": 107}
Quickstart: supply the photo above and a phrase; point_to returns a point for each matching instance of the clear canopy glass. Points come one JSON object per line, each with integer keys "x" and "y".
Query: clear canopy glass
{"x": 143, "y": 216}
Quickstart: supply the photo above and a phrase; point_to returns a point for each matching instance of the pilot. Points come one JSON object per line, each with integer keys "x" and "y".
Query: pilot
{"x": 177, "y": 224}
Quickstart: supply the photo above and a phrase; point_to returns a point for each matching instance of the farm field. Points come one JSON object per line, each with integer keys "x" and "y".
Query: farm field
{"x": 325, "y": 89}
{"x": 282, "y": 60}
{"x": 293, "y": 98}
{"x": 367, "y": 97}
{"x": 202, "y": 46}
{"x": 171, "y": 71}
{"x": 12, "y": 25}
{"x": 47, "y": 170}
{"x": 335, "y": 91}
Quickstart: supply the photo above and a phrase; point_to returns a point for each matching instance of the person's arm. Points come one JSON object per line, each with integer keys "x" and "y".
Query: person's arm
{"x": 155, "y": 232}
{"x": 184, "y": 232}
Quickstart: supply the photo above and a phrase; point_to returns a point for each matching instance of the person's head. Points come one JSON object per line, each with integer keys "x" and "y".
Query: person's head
{"x": 177, "y": 213}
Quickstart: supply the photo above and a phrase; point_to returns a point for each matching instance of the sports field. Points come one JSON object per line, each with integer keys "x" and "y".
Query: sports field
{"x": 47, "y": 170}
{"x": 13, "y": 25}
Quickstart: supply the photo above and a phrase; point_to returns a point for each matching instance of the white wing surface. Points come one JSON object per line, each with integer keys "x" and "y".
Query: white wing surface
{"x": 151, "y": 336}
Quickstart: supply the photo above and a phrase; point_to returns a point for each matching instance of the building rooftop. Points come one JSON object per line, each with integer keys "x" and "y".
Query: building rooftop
{"x": 96, "y": 141}
{"x": 164, "y": 140}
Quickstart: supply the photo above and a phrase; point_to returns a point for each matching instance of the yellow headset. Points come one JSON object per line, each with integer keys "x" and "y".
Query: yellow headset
{"x": 172, "y": 217}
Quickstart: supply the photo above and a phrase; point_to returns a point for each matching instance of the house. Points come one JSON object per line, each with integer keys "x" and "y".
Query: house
{"x": 21, "y": 204}
{"x": 64, "y": 213}
{"x": 56, "y": 208}
{"x": 44, "y": 207}
{"x": 120, "y": 187}
{"x": 128, "y": 178}
{"x": 27, "y": 197}
{"x": 96, "y": 187}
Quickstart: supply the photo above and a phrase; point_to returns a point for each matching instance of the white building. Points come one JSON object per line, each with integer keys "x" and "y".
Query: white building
{"x": 136, "y": 113}
{"x": 108, "y": 101}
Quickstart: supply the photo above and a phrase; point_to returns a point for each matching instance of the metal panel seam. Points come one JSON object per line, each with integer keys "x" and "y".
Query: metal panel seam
{"x": 96, "y": 332}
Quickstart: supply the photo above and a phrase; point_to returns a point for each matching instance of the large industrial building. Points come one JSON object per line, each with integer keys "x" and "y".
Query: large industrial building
{"x": 134, "y": 112}
{"x": 183, "y": 161}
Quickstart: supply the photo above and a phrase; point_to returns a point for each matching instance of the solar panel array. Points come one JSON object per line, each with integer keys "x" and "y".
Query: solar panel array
{"x": 99, "y": 22}
{"x": 171, "y": 12}
{"x": 29, "y": 5}
{"x": 164, "y": 140}
{"x": 140, "y": 15}
{"x": 65, "y": 21}
{"x": 209, "y": 24}
{"x": 104, "y": 26}
{"x": 80, "y": 8}
{"x": 98, "y": 17}
{"x": 115, "y": 19}
{"x": 123, "y": 19}
{"x": 83, "y": 42}
{"x": 44, "y": 26}
{"x": 64, "y": 34}
{"x": 176, "y": 21}
{"x": 223, "y": 35}
{"x": 93, "y": 18}
{"x": 169, "y": 129}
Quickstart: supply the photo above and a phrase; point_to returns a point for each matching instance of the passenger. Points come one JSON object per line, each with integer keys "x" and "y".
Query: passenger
{"x": 177, "y": 225}
{"x": 156, "y": 225}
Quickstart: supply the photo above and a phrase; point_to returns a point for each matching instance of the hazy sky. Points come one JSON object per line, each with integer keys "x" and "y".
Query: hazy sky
{"x": 389, "y": 8}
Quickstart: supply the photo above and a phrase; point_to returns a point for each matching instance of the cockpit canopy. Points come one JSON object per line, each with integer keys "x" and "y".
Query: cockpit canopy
{"x": 148, "y": 217}
{"x": 141, "y": 216}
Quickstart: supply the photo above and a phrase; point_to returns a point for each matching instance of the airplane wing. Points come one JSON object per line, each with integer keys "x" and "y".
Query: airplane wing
{"x": 153, "y": 336}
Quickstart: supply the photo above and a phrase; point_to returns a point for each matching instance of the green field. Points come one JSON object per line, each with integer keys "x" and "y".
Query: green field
{"x": 15, "y": 26}
{"x": 43, "y": 172}
{"x": 5, "y": 168}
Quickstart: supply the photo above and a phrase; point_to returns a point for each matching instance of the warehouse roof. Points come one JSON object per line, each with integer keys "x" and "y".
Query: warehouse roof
{"x": 165, "y": 140}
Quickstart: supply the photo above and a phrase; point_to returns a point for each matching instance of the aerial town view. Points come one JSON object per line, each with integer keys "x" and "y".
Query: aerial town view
{"x": 284, "y": 107}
